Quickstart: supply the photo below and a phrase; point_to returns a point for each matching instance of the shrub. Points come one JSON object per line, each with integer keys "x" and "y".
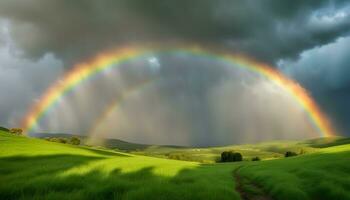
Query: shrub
{"x": 290, "y": 154}
{"x": 74, "y": 140}
{"x": 256, "y": 158}
{"x": 54, "y": 139}
{"x": 62, "y": 140}
{"x": 178, "y": 156}
{"x": 231, "y": 156}
{"x": 16, "y": 131}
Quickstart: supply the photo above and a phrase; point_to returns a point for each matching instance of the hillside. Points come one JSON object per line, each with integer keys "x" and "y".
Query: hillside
{"x": 265, "y": 150}
{"x": 321, "y": 175}
{"x": 109, "y": 143}
{"x": 36, "y": 169}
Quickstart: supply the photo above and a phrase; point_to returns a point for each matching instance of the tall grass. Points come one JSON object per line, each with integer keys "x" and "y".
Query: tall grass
{"x": 36, "y": 169}
{"x": 322, "y": 175}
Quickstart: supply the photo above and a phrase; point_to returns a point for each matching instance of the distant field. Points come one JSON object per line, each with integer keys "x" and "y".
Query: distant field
{"x": 36, "y": 169}
{"x": 266, "y": 150}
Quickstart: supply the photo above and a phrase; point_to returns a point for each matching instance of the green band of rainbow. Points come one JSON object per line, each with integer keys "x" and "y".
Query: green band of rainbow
{"x": 84, "y": 71}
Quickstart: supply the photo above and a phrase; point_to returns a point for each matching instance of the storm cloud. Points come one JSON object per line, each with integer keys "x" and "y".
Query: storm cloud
{"x": 308, "y": 41}
{"x": 267, "y": 30}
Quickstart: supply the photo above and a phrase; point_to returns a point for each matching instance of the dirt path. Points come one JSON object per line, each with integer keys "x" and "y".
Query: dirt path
{"x": 248, "y": 189}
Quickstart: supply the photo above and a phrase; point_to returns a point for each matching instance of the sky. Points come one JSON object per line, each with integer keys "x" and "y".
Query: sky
{"x": 192, "y": 103}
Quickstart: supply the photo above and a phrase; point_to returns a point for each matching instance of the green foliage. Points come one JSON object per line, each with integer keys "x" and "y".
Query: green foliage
{"x": 290, "y": 154}
{"x": 74, "y": 140}
{"x": 231, "y": 156}
{"x": 16, "y": 131}
{"x": 256, "y": 158}
{"x": 57, "y": 139}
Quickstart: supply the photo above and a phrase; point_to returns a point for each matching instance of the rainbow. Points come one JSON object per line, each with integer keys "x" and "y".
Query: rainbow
{"x": 111, "y": 107}
{"x": 83, "y": 71}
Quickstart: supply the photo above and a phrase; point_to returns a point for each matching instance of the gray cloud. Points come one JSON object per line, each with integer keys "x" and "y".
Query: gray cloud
{"x": 40, "y": 39}
{"x": 22, "y": 81}
{"x": 194, "y": 103}
{"x": 267, "y": 30}
{"x": 325, "y": 72}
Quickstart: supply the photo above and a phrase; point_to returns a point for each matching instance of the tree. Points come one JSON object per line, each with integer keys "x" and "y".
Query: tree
{"x": 74, "y": 140}
{"x": 256, "y": 158}
{"x": 290, "y": 154}
{"x": 16, "y": 131}
{"x": 231, "y": 156}
{"x": 56, "y": 139}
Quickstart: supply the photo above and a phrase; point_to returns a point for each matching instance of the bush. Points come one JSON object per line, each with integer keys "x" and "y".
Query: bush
{"x": 256, "y": 158}
{"x": 74, "y": 140}
{"x": 178, "y": 156}
{"x": 16, "y": 131}
{"x": 231, "y": 156}
{"x": 290, "y": 154}
{"x": 54, "y": 139}
{"x": 62, "y": 140}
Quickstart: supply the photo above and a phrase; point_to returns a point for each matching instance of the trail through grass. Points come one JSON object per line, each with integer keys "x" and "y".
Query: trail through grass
{"x": 247, "y": 189}
{"x": 321, "y": 175}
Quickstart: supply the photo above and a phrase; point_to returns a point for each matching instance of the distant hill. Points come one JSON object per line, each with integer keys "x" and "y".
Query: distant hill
{"x": 264, "y": 150}
{"x": 4, "y": 129}
{"x": 108, "y": 143}
{"x": 37, "y": 169}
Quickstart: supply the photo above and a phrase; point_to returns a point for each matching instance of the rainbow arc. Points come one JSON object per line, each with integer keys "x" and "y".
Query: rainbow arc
{"x": 83, "y": 71}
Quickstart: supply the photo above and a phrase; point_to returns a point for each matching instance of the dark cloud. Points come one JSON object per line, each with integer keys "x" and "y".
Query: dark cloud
{"x": 301, "y": 37}
{"x": 267, "y": 30}
{"x": 324, "y": 71}
{"x": 194, "y": 103}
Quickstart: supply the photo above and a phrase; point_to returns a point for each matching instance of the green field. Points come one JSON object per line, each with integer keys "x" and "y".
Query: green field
{"x": 37, "y": 169}
{"x": 265, "y": 150}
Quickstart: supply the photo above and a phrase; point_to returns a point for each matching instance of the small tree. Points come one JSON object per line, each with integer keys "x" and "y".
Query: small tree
{"x": 256, "y": 158}
{"x": 231, "y": 156}
{"x": 16, "y": 131}
{"x": 225, "y": 156}
{"x": 62, "y": 140}
{"x": 74, "y": 140}
{"x": 290, "y": 154}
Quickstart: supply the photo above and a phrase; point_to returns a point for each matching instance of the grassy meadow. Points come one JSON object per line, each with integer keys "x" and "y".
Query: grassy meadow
{"x": 321, "y": 175}
{"x": 37, "y": 169}
{"x": 265, "y": 150}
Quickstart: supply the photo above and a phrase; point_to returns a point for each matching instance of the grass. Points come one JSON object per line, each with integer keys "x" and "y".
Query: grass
{"x": 321, "y": 175}
{"x": 37, "y": 169}
{"x": 265, "y": 150}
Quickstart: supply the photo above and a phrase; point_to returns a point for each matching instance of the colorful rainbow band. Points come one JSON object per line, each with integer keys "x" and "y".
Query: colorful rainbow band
{"x": 83, "y": 71}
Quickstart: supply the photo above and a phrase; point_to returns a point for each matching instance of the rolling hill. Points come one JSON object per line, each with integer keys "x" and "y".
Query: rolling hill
{"x": 264, "y": 150}
{"x": 37, "y": 169}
